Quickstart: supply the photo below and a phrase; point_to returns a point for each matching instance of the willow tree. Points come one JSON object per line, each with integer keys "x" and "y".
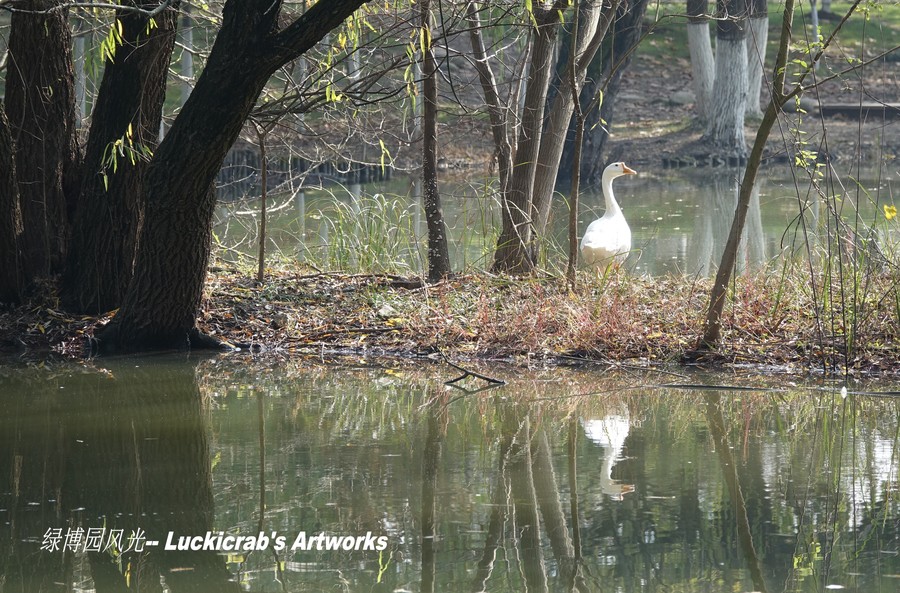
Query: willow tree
{"x": 40, "y": 106}
{"x": 160, "y": 307}
{"x": 123, "y": 134}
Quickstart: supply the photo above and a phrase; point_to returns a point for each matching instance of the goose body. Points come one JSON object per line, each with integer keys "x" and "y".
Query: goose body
{"x": 607, "y": 240}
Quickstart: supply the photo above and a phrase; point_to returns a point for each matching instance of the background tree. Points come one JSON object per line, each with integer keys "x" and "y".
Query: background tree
{"x": 438, "y": 254}
{"x": 725, "y": 126}
{"x": 10, "y": 219}
{"x": 602, "y": 84}
{"x": 703, "y": 71}
{"x": 757, "y": 37}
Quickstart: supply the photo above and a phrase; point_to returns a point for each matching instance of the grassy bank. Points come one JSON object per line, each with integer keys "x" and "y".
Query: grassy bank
{"x": 778, "y": 318}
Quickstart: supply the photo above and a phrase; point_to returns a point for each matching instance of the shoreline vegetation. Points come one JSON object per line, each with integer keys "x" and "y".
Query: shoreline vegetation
{"x": 776, "y": 320}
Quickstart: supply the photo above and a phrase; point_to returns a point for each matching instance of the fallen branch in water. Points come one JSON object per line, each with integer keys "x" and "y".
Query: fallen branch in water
{"x": 467, "y": 373}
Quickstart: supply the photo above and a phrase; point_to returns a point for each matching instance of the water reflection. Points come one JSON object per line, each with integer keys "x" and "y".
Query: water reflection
{"x": 122, "y": 454}
{"x": 609, "y": 434}
{"x": 646, "y": 489}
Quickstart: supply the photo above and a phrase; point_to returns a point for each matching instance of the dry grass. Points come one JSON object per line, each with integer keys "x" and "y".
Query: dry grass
{"x": 773, "y": 319}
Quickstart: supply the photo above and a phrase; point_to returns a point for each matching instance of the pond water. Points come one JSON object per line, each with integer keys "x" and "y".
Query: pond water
{"x": 680, "y": 220}
{"x": 558, "y": 481}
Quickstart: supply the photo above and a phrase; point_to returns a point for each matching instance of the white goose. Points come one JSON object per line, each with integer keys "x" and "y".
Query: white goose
{"x": 607, "y": 240}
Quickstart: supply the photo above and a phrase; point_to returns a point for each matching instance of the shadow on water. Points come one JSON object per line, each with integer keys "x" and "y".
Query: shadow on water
{"x": 378, "y": 480}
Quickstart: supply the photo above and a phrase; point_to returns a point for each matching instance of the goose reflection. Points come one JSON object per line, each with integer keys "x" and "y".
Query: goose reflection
{"x": 609, "y": 434}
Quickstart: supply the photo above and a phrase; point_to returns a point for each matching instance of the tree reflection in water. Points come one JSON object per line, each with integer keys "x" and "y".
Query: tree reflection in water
{"x": 520, "y": 488}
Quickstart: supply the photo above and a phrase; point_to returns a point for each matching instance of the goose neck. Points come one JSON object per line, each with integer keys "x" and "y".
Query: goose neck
{"x": 612, "y": 207}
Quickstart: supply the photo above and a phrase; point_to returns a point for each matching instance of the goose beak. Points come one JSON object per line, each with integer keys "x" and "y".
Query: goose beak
{"x": 628, "y": 170}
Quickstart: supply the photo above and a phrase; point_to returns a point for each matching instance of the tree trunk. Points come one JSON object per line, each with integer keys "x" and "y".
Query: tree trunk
{"x": 608, "y": 80}
{"x": 725, "y": 127}
{"x": 40, "y": 105}
{"x": 496, "y": 111}
{"x": 757, "y": 37}
{"x": 596, "y": 18}
{"x": 127, "y": 111}
{"x": 10, "y": 219}
{"x": 160, "y": 306}
{"x": 702, "y": 61}
{"x": 512, "y": 253}
{"x": 712, "y": 332}
{"x": 438, "y": 254}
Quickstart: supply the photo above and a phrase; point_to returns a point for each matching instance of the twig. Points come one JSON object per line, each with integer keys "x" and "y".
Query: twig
{"x": 491, "y": 382}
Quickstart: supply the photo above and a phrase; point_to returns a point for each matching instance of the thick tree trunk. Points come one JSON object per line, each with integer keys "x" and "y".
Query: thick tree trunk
{"x": 160, "y": 306}
{"x": 725, "y": 127}
{"x": 128, "y": 111}
{"x": 512, "y": 253}
{"x": 40, "y": 105}
{"x": 10, "y": 219}
{"x": 702, "y": 62}
{"x": 438, "y": 253}
{"x": 757, "y": 37}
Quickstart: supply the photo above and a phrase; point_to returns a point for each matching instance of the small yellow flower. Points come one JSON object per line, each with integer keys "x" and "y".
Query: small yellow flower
{"x": 890, "y": 212}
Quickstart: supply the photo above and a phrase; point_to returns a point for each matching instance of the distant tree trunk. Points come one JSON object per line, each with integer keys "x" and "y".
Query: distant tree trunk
{"x": 10, "y": 219}
{"x": 187, "y": 52}
{"x": 625, "y": 37}
{"x": 79, "y": 54}
{"x": 40, "y": 105}
{"x": 595, "y": 19}
{"x": 159, "y": 309}
{"x": 128, "y": 111}
{"x": 512, "y": 254}
{"x": 757, "y": 37}
{"x": 725, "y": 128}
{"x": 702, "y": 62}
{"x": 438, "y": 254}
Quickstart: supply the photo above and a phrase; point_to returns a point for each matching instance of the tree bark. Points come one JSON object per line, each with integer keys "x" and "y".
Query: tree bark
{"x": 10, "y": 219}
{"x": 597, "y": 18}
{"x": 725, "y": 126}
{"x": 702, "y": 61}
{"x": 438, "y": 253}
{"x": 160, "y": 306}
{"x": 757, "y": 37}
{"x": 128, "y": 111}
{"x": 40, "y": 105}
